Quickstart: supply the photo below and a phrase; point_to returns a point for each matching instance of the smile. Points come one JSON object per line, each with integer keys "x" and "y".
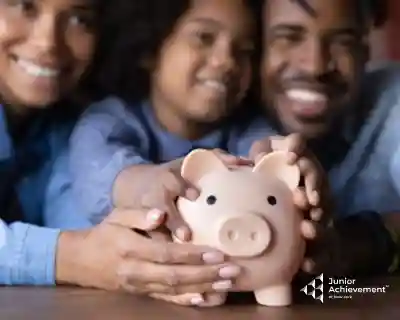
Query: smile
{"x": 36, "y": 70}
{"x": 306, "y": 96}
{"x": 215, "y": 85}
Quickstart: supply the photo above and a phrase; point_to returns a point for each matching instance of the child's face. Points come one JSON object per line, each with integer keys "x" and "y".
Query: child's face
{"x": 204, "y": 68}
{"x": 45, "y": 46}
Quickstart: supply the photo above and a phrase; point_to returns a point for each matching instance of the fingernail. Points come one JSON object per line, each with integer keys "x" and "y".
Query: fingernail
{"x": 315, "y": 197}
{"x": 213, "y": 257}
{"x": 292, "y": 157}
{"x": 155, "y": 215}
{"x": 196, "y": 300}
{"x": 222, "y": 285}
{"x": 182, "y": 233}
{"x": 192, "y": 194}
{"x": 229, "y": 272}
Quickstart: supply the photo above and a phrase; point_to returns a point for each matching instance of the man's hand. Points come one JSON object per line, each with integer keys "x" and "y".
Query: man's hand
{"x": 112, "y": 256}
{"x": 315, "y": 197}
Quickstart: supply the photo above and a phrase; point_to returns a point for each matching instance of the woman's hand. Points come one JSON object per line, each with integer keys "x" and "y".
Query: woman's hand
{"x": 112, "y": 256}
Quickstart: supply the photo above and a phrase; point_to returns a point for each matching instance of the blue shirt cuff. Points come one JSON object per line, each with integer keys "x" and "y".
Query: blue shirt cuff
{"x": 28, "y": 255}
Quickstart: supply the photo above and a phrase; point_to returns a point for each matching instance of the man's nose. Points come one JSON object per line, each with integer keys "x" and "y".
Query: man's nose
{"x": 313, "y": 58}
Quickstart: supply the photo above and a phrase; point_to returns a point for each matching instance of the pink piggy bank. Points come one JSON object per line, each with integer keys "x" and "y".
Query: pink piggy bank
{"x": 248, "y": 213}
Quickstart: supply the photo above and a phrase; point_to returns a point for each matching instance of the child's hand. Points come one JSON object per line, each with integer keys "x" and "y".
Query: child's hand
{"x": 159, "y": 186}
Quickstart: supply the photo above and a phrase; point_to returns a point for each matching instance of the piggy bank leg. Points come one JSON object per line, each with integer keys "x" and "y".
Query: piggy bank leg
{"x": 276, "y": 296}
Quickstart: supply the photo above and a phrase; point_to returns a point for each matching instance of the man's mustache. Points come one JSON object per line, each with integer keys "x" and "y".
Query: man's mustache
{"x": 327, "y": 81}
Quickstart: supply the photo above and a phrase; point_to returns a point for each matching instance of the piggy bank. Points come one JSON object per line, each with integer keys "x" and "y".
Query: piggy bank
{"x": 248, "y": 213}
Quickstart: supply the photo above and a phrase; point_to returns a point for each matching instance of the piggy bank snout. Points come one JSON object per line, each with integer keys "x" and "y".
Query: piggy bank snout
{"x": 244, "y": 236}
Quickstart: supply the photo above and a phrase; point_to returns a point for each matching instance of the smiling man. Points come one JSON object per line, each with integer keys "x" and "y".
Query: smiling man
{"x": 314, "y": 82}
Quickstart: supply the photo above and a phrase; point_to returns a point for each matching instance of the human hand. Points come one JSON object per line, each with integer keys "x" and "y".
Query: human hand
{"x": 315, "y": 197}
{"x": 159, "y": 186}
{"x": 112, "y": 256}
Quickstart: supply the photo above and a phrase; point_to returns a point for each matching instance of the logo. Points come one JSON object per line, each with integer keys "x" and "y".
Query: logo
{"x": 315, "y": 288}
{"x": 338, "y": 288}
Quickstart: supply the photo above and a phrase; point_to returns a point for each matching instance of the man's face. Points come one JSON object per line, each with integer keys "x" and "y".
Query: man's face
{"x": 312, "y": 63}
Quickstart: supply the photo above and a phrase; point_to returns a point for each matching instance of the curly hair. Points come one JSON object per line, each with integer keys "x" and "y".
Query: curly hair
{"x": 142, "y": 28}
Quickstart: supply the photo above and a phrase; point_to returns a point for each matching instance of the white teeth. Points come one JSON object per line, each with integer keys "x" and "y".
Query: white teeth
{"x": 36, "y": 70}
{"x": 305, "y": 95}
{"x": 217, "y": 85}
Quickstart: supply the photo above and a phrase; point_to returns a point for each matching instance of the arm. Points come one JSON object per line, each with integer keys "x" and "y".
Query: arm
{"x": 27, "y": 254}
{"x": 107, "y": 139}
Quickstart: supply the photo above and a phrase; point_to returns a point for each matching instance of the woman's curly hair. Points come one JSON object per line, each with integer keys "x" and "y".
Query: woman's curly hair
{"x": 142, "y": 28}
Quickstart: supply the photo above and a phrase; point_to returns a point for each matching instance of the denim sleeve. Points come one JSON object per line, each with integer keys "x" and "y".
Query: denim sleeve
{"x": 27, "y": 254}
{"x": 60, "y": 208}
{"x": 107, "y": 139}
{"x": 243, "y": 138}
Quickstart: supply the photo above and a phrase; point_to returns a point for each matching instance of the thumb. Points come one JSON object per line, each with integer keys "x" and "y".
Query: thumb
{"x": 136, "y": 219}
{"x": 260, "y": 147}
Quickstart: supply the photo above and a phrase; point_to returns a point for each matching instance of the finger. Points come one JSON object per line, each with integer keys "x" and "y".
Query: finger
{"x": 308, "y": 229}
{"x": 218, "y": 286}
{"x": 311, "y": 180}
{"x": 293, "y": 143}
{"x": 317, "y": 264}
{"x": 179, "y": 187}
{"x": 136, "y": 219}
{"x": 162, "y": 235}
{"x": 232, "y": 160}
{"x": 193, "y": 299}
{"x": 176, "y": 224}
{"x": 189, "y": 299}
{"x": 136, "y": 246}
{"x": 135, "y": 271}
{"x": 316, "y": 214}
{"x": 300, "y": 199}
{"x": 259, "y": 147}
{"x": 212, "y": 299}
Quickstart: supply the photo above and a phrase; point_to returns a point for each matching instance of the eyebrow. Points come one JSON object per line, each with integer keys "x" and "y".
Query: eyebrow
{"x": 286, "y": 27}
{"x": 206, "y": 21}
{"x": 298, "y": 28}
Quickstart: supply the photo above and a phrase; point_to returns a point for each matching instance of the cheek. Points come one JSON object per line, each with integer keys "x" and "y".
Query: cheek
{"x": 271, "y": 65}
{"x": 177, "y": 68}
{"x": 350, "y": 69}
{"x": 81, "y": 47}
{"x": 12, "y": 31}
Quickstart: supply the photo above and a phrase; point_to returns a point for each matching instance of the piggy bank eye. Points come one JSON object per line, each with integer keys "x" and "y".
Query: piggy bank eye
{"x": 211, "y": 200}
{"x": 271, "y": 200}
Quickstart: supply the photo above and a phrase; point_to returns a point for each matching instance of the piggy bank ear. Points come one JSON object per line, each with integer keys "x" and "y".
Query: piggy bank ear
{"x": 200, "y": 162}
{"x": 275, "y": 164}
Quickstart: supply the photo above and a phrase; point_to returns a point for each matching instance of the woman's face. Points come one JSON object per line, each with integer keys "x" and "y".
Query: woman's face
{"x": 45, "y": 47}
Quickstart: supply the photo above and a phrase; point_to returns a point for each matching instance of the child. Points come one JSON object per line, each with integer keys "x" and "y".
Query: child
{"x": 196, "y": 65}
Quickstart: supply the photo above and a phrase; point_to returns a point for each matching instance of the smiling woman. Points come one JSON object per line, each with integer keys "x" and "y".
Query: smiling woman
{"x": 45, "y": 47}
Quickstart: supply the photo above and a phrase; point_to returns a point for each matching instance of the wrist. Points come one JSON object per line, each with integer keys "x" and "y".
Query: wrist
{"x": 69, "y": 263}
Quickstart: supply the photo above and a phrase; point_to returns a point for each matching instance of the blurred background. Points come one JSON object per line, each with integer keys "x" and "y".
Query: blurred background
{"x": 385, "y": 41}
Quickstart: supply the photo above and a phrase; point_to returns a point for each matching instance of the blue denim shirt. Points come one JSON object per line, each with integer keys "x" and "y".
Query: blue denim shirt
{"x": 112, "y": 135}
{"x": 367, "y": 178}
{"x": 27, "y": 250}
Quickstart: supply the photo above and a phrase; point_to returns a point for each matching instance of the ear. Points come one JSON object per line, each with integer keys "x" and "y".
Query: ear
{"x": 275, "y": 164}
{"x": 200, "y": 162}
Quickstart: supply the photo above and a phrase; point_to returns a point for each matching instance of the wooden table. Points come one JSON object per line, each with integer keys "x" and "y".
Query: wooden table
{"x": 77, "y": 304}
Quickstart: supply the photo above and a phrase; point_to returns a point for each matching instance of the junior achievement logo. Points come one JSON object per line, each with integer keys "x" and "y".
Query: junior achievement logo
{"x": 338, "y": 288}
